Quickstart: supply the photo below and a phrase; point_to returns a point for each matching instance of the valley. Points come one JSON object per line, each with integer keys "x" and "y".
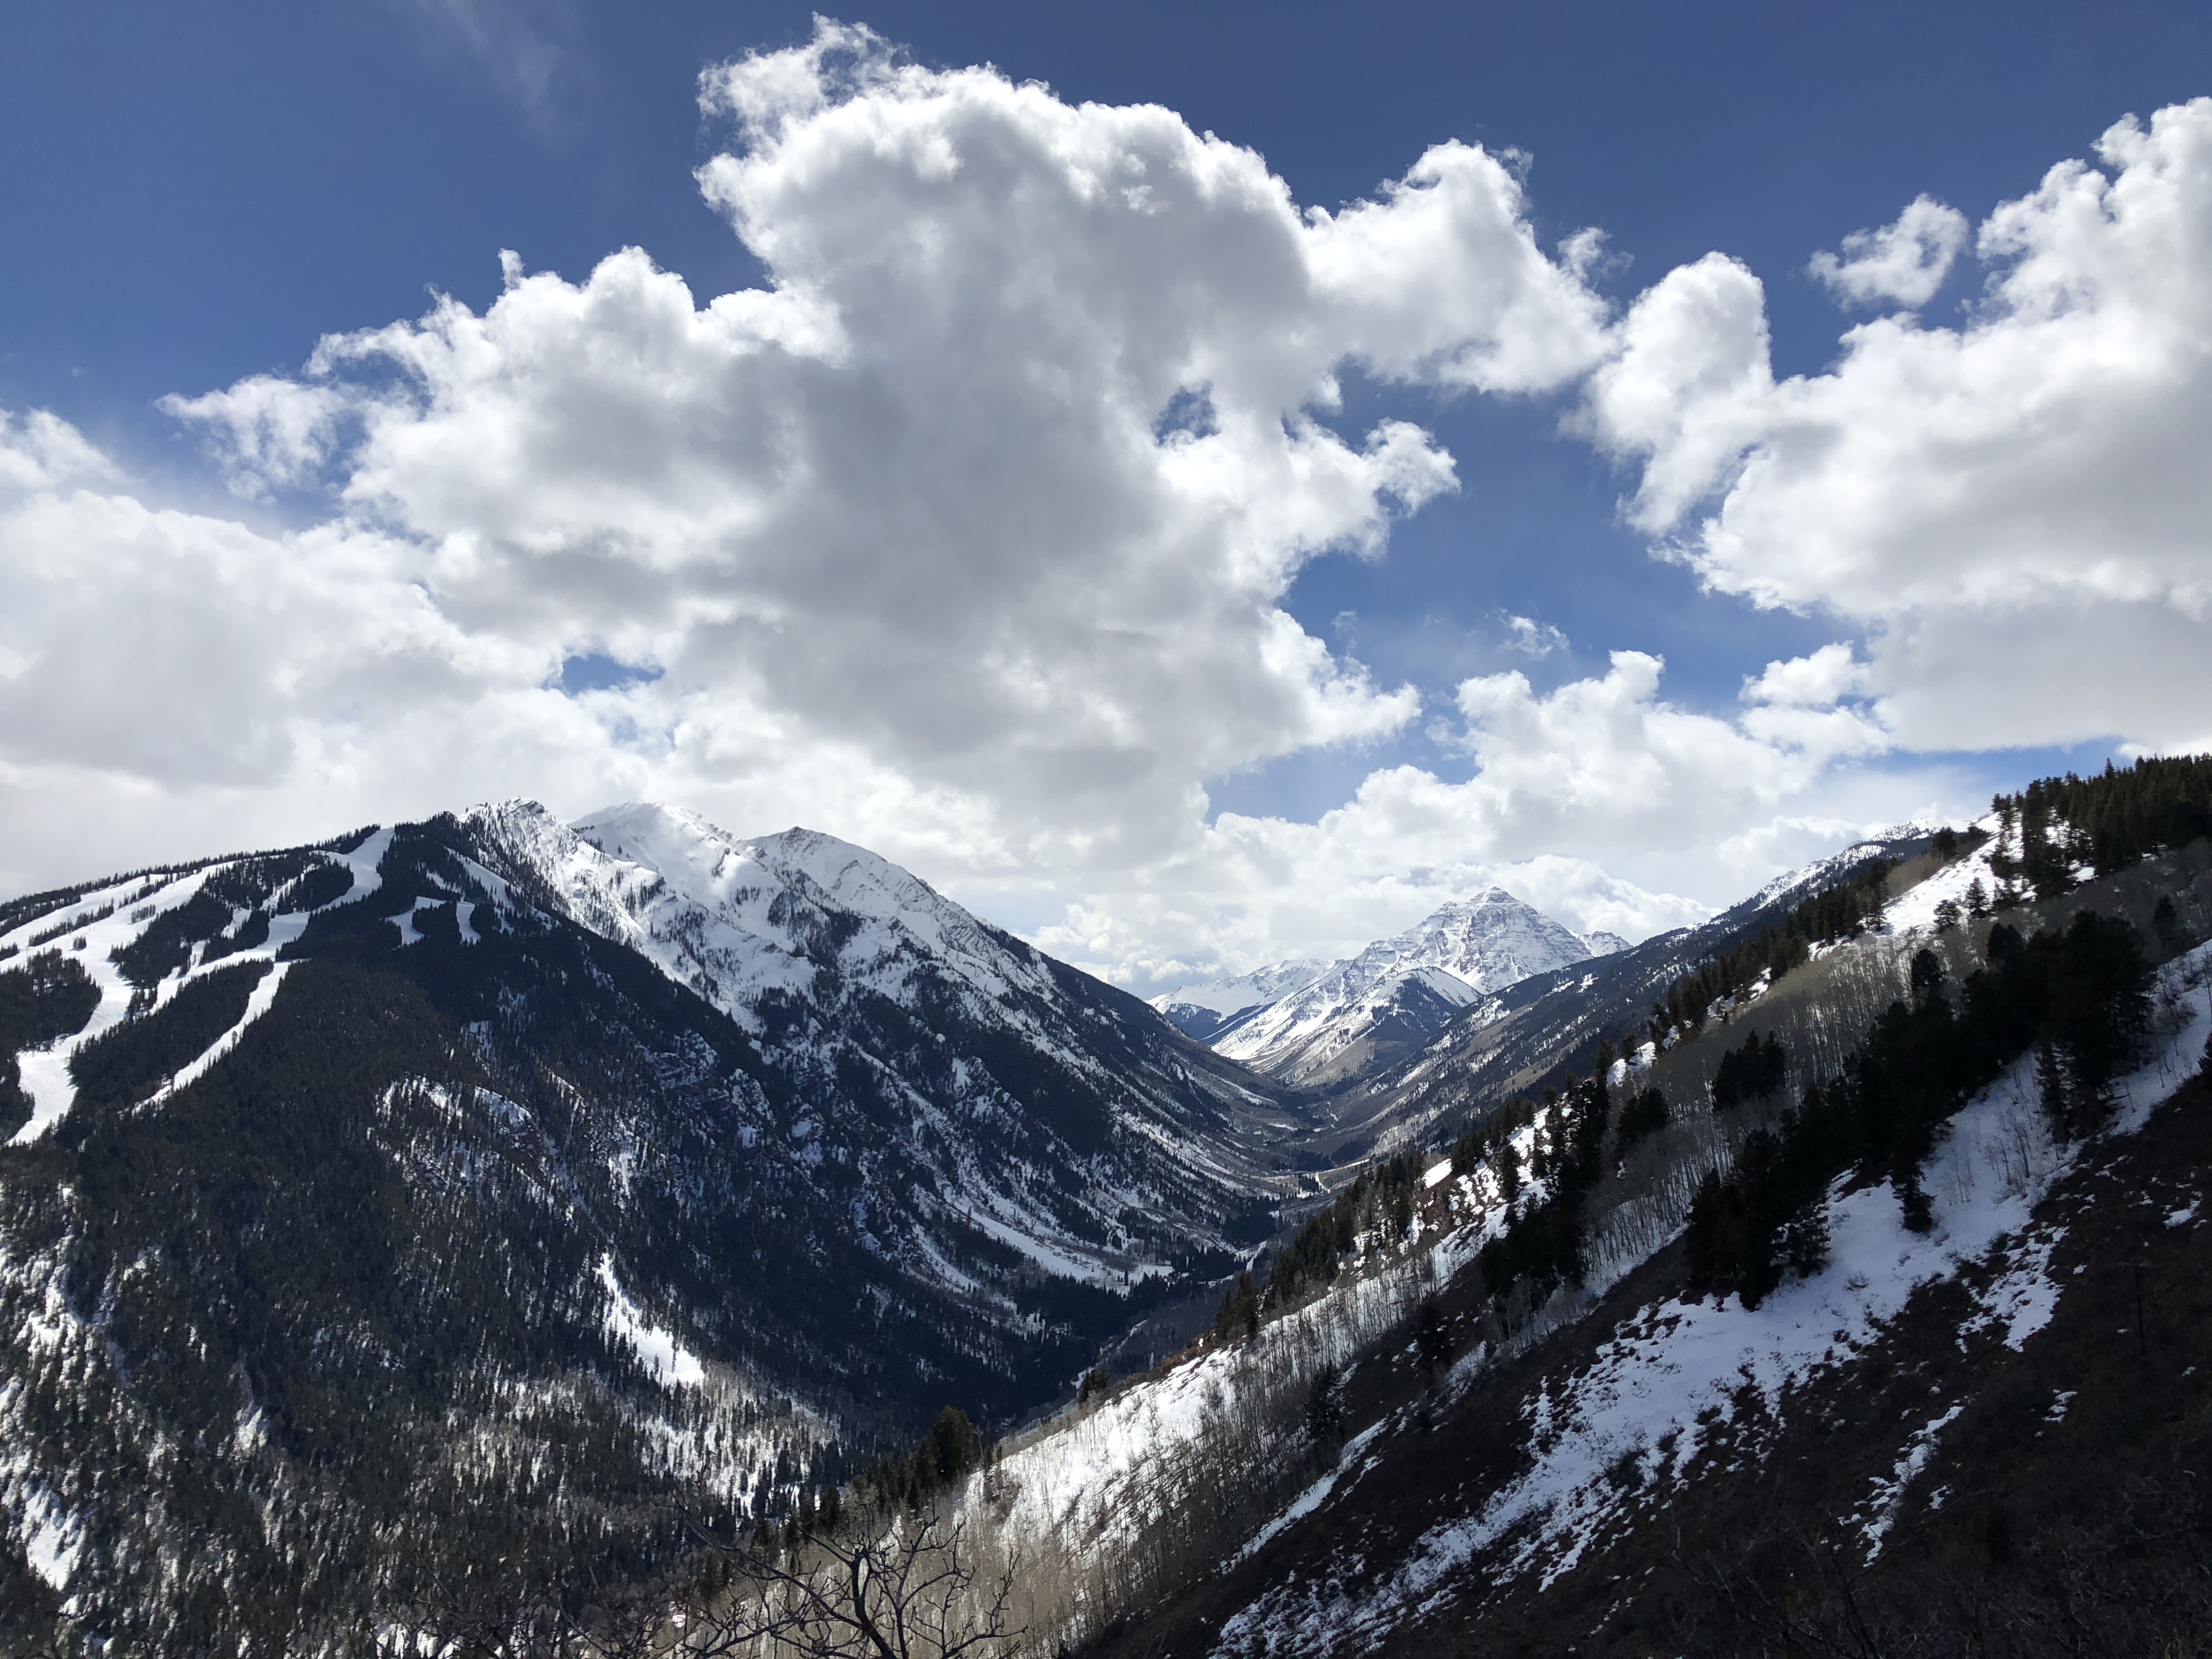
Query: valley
{"x": 613, "y": 1198}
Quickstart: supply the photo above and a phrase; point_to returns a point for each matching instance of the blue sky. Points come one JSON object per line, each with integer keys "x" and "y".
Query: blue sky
{"x": 195, "y": 195}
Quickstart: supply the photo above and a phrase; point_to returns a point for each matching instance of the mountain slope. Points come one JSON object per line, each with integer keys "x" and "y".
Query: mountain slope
{"x": 1215, "y": 1007}
{"x": 404, "y": 1188}
{"x": 1510, "y": 1041}
{"x": 1973, "y": 1437}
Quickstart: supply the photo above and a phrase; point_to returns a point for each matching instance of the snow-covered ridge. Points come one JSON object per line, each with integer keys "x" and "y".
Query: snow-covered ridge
{"x": 795, "y": 935}
{"x": 1464, "y": 951}
{"x": 1255, "y": 989}
{"x": 735, "y": 918}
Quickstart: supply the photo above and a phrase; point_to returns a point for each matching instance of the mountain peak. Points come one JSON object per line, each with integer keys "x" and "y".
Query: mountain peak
{"x": 1462, "y": 950}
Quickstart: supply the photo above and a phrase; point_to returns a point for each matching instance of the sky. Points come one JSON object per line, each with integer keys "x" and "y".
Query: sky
{"x": 1200, "y": 484}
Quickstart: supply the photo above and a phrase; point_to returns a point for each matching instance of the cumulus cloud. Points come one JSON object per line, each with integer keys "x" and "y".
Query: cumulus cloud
{"x": 1568, "y": 788}
{"x": 968, "y": 534}
{"x": 914, "y": 495}
{"x": 2014, "y": 510}
{"x": 1905, "y": 261}
{"x": 968, "y": 531}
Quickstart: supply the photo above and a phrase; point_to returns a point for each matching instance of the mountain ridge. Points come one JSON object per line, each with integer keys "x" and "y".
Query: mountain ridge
{"x": 1353, "y": 1015}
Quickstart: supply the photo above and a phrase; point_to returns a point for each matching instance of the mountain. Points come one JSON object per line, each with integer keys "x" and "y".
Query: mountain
{"x": 464, "y": 1231}
{"x": 1512, "y": 1041}
{"x": 1215, "y": 1007}
{"x": 1362, "y": 1013}
{"x": 1899, "y": 1347}
{"x": 371, "y": 1204}
{"x": 1972, "y": 1436}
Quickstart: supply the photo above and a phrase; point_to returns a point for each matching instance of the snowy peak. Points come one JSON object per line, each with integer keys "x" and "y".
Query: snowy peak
{"x": 1399, "y": 990}
{"x": 736, "y": 918}
{"x": 1490, "y": 941}
{"x": 1208, "y": 1010}
{"x": 1038, "y": 1110}
{"x": 1261, "y": 985}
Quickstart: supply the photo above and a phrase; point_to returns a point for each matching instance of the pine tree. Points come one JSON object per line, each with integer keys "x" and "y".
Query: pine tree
{"x": 1431, "y": 1336}
{"x": 2051, "y": 1090}
{"x": 1805, "y": 1240}
{"x": 1508, "y": 1166}
{"x": 1324, "y": 1413}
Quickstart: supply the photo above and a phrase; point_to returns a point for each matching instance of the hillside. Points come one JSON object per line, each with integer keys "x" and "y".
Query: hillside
{"x": 371, "y": 1201}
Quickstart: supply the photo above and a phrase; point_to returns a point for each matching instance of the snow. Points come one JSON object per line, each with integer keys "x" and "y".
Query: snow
{"x": 1888, "y": 1500}
{"x": 672, "y": 1364}
{"x": 1093, "y": 1481}
{"x": 1252, "y": 990}
{"x": 1313, "y": 1495}
{"x": 51, "y": 1540}
{"x": 1676, "y": 1359}
{"x": 362, "y": 862}
{"x": 1914, "y": 910}
{"x": 1437, "y": 1175}
{"x": 1465, "y": 951}
{"x": 736, "y": 919}
{"x": 746, "y": 899}
{"x": 263, "y": 997}
{"x": 45, "y": 1071}
{"x": 1822, "y": 872}
{"x": 404, "y": 922}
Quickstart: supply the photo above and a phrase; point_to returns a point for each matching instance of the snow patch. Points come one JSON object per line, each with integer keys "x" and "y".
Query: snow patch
{"x": 672, "y": 1364}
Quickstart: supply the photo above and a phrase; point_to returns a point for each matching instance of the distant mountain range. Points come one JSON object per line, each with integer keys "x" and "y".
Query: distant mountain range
{"x": 1323, "y": 1024}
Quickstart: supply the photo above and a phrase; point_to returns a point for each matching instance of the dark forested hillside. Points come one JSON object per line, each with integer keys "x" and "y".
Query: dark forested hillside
{"x": 374, "y": 1220}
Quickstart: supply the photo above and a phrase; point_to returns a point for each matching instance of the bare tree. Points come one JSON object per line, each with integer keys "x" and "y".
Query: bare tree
{"x": 496, "y": 1609}
{"x": 915, "y": 1588}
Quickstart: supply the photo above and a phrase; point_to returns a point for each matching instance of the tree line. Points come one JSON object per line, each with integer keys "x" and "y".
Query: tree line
{"x": 1841, "y": 910}
{"x": 2108, "y": 820}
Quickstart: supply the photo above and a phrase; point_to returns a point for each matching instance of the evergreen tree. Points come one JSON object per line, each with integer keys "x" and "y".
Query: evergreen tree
{"x": 1431, "y": 1336}
{"x": 1324, "y": 1411}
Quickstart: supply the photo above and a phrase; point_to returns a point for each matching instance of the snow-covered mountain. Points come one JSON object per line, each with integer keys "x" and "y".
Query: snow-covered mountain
{"x": 856, "y": 968}
{"x": 1376, "y": 1005}
{"x": 1211, "y": 1010}
{"x": 480, "y": 1179}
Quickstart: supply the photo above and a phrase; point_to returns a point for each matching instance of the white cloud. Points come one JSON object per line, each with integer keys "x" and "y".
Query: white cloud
{"x": 910, "y": 498}
{"x": 901, "y": 528}
{"x": 1532, "y": 638}
{"x": 969, "y": 535}
{"x": 1905, "y": 261}
{"x": 41, "y": 452}
{"x": 1814, "y": 682}
{"x": 1598, "y": 775}
{"x": 513, "y": 46}
{"x": 2015, "y": 511}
